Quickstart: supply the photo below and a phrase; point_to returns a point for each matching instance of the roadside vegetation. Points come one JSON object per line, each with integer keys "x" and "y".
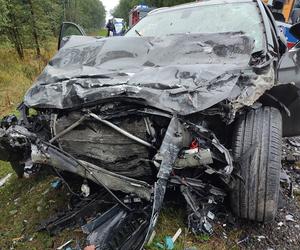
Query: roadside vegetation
{"x": 29, "y": 24}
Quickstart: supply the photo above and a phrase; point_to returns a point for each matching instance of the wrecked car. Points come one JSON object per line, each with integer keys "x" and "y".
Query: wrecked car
{"x": 197, "y": 108}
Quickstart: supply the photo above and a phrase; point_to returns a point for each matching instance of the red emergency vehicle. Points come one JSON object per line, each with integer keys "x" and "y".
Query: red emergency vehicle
{"x": 137, "y": 13}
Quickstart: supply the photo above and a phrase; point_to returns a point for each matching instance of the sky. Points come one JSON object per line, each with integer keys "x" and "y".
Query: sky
{"x": 109, "y": 5}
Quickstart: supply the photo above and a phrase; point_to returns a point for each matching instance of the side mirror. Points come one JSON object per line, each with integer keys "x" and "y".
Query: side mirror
{"x": 68, "y": 29}
{"x": 295, "y": 30}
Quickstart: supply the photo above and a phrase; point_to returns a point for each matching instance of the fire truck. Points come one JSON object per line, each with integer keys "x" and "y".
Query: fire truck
{"x": 137, "y": 13}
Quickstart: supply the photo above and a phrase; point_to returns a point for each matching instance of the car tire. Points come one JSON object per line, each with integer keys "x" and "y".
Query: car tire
{"x": 257, "y": 142}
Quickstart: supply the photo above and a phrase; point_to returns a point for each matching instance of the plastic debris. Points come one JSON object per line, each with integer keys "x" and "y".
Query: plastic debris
{"x": 85, "y": 189}
{"x": 169, "y": 243}
{"x": 289, "y": 217}
{"x": 260, "y": 237}
{"x": 64, "y": 245}
{"x": 294, "y": 142}
{"x": 151, "y": 237}
{"x": 56, "y": 184}
{"x": 210, "y": 215}
{"x": 177, "y": 234}
{"x": 5, "y": 179}
{"x": 243, "y": 240}
{"x": 280, "y": 224}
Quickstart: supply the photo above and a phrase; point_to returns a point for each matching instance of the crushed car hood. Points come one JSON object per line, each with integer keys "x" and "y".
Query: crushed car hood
{"x": 181, "y": 74}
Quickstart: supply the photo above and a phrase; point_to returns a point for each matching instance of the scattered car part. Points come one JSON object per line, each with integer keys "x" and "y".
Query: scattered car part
{"x": 5, "y": 179}
{"x": 63, "y": 246}
{"x": 80, "y": 210}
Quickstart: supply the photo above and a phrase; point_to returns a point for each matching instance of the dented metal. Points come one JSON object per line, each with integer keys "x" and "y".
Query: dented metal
{"x": 206, "y": 70}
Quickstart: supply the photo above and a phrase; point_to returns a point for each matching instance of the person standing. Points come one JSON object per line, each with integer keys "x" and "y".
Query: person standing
{"x": 110, "y": 27}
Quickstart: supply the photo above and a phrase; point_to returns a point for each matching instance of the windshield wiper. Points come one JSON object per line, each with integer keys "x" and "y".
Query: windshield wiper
{"x": 138, "y": 33}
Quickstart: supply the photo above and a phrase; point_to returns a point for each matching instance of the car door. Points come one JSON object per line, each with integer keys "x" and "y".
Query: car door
{"x": 289, "y": 66}
{"x": 289, "y": 75}
{"x": 68, "y": 29}
{"x": 288, "y": 91}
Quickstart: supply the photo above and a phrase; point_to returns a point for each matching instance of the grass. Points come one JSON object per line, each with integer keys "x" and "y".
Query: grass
{"x": 16, "y": 76}
{"x": 101, "y": 32}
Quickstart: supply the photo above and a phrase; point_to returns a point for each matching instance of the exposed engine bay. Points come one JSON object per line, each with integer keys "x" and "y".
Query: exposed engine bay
{"x": 139, "y": 152}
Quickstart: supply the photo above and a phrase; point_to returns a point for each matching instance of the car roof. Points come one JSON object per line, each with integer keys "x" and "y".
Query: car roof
{"x": 197, "y": 4}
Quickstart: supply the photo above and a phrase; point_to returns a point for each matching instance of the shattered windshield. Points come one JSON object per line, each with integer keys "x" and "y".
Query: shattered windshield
{"x": 232, "y": 17}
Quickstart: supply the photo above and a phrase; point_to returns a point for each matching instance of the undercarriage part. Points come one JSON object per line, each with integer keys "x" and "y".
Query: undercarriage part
{"x": 194, "y": 158}
{"x": 201, "y": 198}
{"x": 108, "y": 226}
{"x": 121, "y": 131}
{"x": 98, "y": 143}
{"x": 255, "y": 195}
{"x": 77, "y": 215}
{"x": 14, "y": 145}
{"x": 30, "y": 169}
{"x": 105, "y": 154}
{"x": 168, "y": 152}
{"x": 197, "y": 219}
{"x": 203, "y": 188}
{"x": 46, "y": 154}
{"x": 118, "y": 229}
{"x": 8, "y": 121}
{"x": 62, "y": 133}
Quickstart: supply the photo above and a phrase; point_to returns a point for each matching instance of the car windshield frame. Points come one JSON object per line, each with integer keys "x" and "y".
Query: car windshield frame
{"x": 260, "y": 45}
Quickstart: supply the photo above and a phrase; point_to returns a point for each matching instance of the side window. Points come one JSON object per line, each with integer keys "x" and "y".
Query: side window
{"x": 69, "y": 29}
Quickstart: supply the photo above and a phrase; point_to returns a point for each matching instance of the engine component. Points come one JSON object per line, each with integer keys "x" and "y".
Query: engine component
{"x": 194, "y": 158}
{"x": 103, "y": 146}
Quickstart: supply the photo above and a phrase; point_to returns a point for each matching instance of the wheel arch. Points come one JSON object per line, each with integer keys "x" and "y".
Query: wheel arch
{"x": 286, "y": 98}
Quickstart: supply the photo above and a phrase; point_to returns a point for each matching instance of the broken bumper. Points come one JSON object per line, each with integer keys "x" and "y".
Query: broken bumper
{"x": 169, "y": 158}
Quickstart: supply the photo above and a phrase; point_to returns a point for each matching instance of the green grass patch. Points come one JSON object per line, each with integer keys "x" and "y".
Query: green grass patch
{"x": 16, "y": 76}
{"x": 102, "y": 32}
{"x": 24, "y": 204}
